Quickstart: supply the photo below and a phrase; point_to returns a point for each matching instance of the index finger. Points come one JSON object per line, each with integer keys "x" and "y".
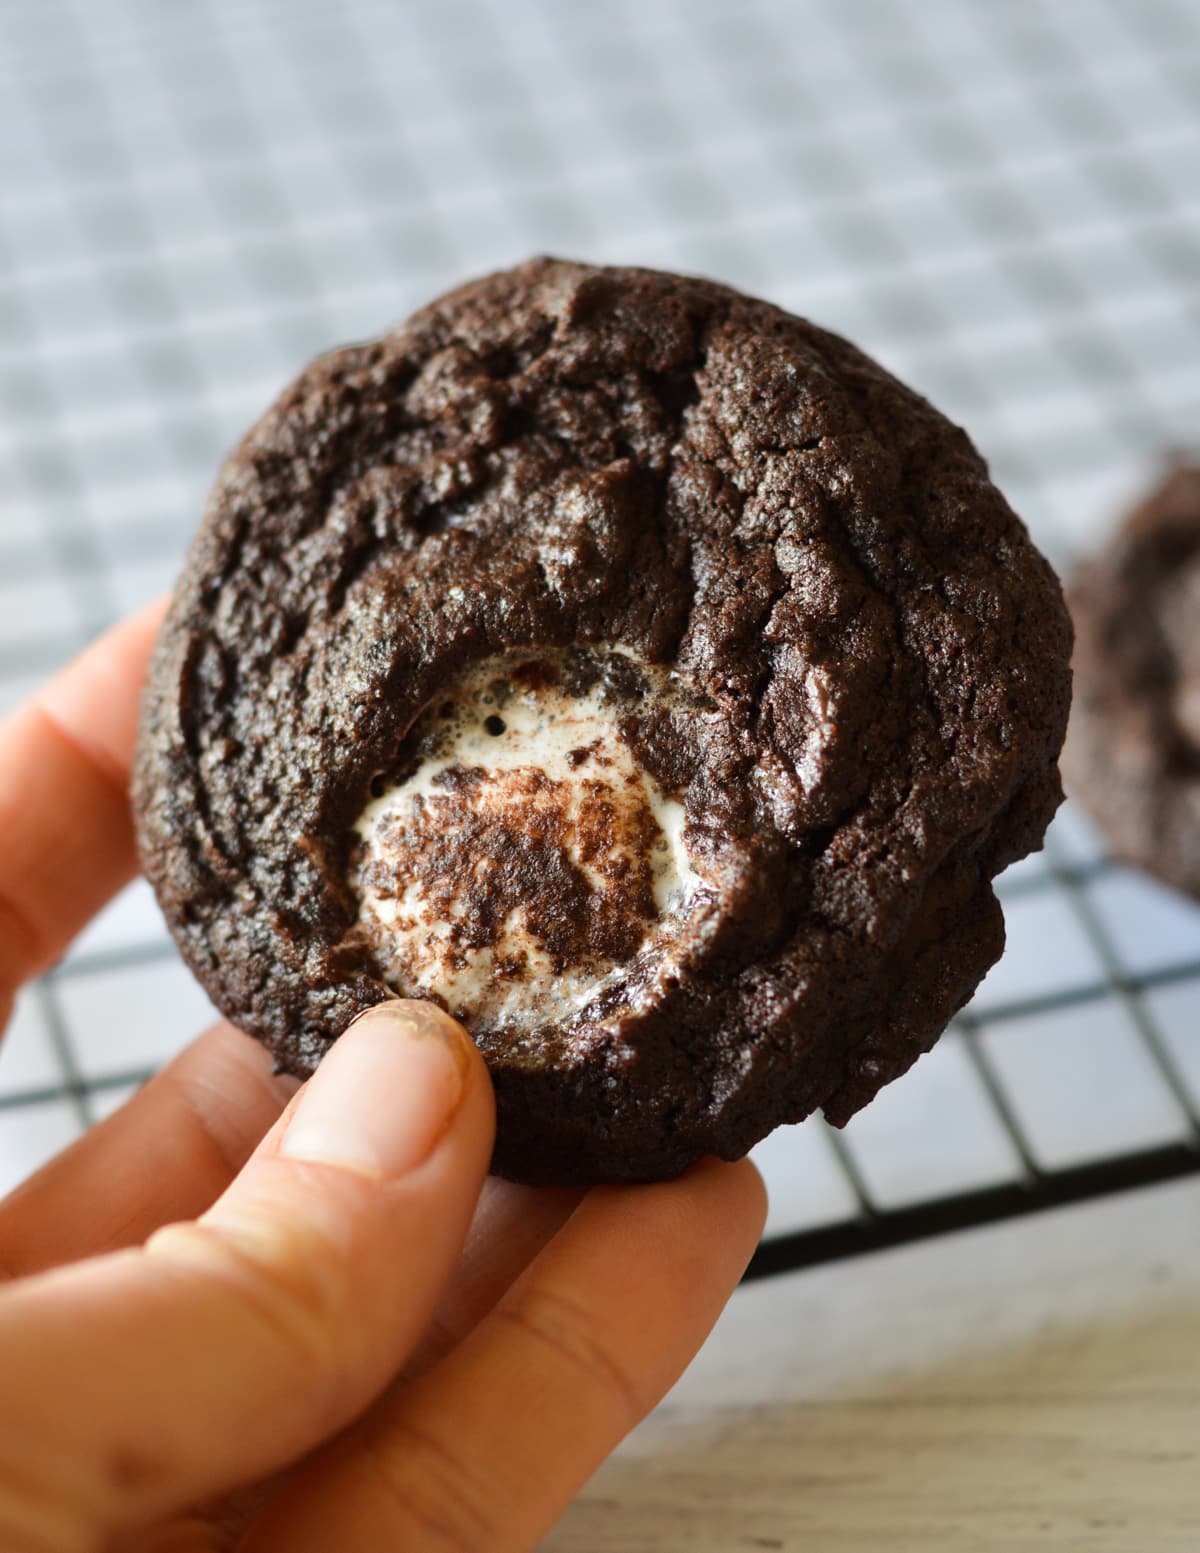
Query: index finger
{"x": 64, "y": 799}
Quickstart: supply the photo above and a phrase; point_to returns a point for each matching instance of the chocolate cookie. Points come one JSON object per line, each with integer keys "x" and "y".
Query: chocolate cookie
{"x": 1133, "y": 754}
{"x": 633, "y": 668}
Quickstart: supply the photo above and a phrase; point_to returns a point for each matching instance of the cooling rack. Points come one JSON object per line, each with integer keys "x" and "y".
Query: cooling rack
{"x": 1000, "y": 202}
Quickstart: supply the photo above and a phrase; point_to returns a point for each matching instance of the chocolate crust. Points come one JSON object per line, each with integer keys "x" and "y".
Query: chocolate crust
{"x": 1133, "y": 752}
{"x": 563, "y": 454}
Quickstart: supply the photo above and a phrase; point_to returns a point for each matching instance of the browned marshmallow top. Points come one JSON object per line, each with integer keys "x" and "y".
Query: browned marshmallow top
{"x": 520, "y": 854}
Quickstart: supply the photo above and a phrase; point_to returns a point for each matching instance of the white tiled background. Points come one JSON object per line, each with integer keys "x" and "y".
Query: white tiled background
{"x": 1000, "y": 201}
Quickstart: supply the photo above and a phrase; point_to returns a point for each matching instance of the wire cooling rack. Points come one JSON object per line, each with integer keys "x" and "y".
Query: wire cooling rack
{"x": 1001, "y": 202}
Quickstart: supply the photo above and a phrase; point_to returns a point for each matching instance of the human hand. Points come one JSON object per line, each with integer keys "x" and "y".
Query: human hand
{"x": 237, "y": 1316}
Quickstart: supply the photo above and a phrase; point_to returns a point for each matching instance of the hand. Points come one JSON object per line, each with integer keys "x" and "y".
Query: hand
{"x": 238, "y": 1315}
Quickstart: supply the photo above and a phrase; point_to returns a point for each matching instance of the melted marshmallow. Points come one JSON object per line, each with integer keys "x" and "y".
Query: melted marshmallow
{"x": 528, "y": 858}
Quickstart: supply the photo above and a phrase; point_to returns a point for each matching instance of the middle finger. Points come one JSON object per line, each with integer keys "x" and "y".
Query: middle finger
{"x": 168, "y": 1153}
{"x": 511, "y": 1225}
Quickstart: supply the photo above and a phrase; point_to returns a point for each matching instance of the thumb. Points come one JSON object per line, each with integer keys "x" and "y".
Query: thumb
{"x": 143, "y": 1381}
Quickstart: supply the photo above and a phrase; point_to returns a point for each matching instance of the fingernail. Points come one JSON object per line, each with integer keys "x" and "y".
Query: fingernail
{"x": 385, "y": 1092}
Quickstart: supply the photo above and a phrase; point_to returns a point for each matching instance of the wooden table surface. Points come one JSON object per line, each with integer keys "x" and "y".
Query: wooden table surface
{"x": 1031, "y": 1386}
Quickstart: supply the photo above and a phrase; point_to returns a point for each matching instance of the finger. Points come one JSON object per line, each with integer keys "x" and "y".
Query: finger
{"x": 149, "y": 1380}
{"x": 487, "y": 1449}
{"x": 64, "y": 804}
{"x": 511, "y": 1226}
{"x": 198, "y": 1120}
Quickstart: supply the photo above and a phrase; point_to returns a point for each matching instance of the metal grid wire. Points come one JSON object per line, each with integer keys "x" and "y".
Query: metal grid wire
{"x": 1000, "y": 202}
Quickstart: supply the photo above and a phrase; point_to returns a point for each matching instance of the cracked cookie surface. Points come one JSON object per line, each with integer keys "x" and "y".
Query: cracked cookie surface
{"x": 870, "y": 655}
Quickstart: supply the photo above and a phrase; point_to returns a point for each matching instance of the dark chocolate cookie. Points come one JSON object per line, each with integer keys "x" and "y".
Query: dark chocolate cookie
{"x": 1133, "y": 754}
{"x": 636, "y": 669}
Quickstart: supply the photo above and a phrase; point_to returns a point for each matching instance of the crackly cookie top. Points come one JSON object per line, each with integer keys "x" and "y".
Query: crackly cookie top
{"x": 809, "y": 647}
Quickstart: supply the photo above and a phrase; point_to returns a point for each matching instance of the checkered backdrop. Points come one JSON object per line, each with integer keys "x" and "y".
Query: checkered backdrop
{"x": 999, "y": 201}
